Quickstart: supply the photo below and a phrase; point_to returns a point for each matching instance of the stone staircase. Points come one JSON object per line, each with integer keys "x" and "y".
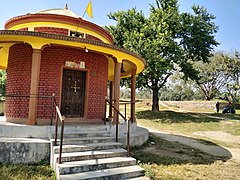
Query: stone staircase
{"x": 93, "y": 154}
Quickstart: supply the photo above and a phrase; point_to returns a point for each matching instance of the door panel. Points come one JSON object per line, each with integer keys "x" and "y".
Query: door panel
{"x": 73, "y": 93}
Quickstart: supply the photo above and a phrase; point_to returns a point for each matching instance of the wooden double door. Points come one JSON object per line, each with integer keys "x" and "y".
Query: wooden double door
{"x": 73, "y": 93}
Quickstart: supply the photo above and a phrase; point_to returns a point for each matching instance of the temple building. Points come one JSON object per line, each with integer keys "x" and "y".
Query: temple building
{"x": 56, "y": 52}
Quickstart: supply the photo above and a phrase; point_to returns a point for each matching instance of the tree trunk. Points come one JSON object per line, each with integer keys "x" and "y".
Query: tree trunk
{"x": 155, "y": 100}
{"x": 208, "y": 98}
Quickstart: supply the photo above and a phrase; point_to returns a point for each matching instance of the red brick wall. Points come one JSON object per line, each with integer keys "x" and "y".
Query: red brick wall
{"x": 52, "y": 30}
{"x": 88, "y": 36}
{"x": 23, "y": 29}
{"x": 18, "y": 80}
{"x": 53, "y": 58}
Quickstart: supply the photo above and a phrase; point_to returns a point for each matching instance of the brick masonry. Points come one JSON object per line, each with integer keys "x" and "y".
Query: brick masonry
{"x": 23, "y": 29}
{"x": 52, "y": 30}
{"x": 88, "y": 36}
{"x": 18, "y": 80}
{"x": 61, "y": 31}
{"x": 52, "y": 62}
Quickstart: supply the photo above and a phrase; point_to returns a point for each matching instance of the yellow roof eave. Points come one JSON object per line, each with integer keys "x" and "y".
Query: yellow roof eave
{"x": 39, "y": 40}
{"x": 32, "y": 25}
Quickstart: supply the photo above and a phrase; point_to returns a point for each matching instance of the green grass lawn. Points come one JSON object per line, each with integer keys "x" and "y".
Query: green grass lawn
{"x": 171, "y": 160}
{"x": 162, "y": 159}
{"x": 187, "y": 123}
{"x": 41, "y": 171}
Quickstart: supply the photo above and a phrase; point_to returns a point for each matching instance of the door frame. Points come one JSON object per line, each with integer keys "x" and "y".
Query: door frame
{"x": 86, "y": 91}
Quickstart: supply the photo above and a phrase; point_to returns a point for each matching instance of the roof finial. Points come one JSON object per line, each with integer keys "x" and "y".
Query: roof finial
{"x": 66, "y": 7}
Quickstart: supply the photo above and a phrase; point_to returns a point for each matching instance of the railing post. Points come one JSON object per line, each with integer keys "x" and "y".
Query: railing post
{"x": 53, "y": 98}
{"x": 128, "y": 137}
{"x": 61, "y": 141}
{"x": 119, "y": 113}
{"x": 116, "y": 131}
{"x": 56, "y": 131}
{"x": 125, "y": 106}
{"x": 105, "y": 111}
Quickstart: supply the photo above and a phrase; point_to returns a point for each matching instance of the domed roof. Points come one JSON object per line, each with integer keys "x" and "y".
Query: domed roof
{"x": 59, "y": 11}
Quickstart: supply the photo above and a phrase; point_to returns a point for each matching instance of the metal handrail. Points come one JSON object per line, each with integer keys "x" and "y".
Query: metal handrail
{"x": 61, "y": 118}
{"x": 58, "y": 117}
{"x": 121, "y": 102}
{"x": 128, "y": 126}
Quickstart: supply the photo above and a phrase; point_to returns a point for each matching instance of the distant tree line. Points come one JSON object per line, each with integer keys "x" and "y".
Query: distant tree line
{"x": 218, "y": 78}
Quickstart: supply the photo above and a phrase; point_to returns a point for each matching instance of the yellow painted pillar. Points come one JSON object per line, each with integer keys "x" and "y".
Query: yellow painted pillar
{"x": 117, "y": 73}
{"x": 133, "y": 95}
{"x": 36, "y": 62}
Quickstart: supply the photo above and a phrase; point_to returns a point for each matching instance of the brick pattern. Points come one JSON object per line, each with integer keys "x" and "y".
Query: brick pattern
{"x": 53, "y": 58}
{"x": 23, "y": 29}
{"x": 52, "y": 61}
{"x": 52, "y": 30}
{"x": 88, "y": 36}
{"x": 57, "y": 18}
{"x": 18, "y": 80}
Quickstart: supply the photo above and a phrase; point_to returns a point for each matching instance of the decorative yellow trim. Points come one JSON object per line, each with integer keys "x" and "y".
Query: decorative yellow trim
{"x": 110, "y": 70}
{"x": 32, "y": 25}
{"x": 4, "y": 51}
{"x": 40, "y": 42}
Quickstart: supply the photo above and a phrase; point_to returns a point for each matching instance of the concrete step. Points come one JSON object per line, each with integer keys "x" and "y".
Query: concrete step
{"x": 87, "y": 140}
{"x": 87, "y": 155}
{"x": 140, "y": 178}
{"x": 84, "y": 128}
{"x": 88, "y": 147}
{"x": 86, "y": 134}
{"x": 115, "y": 173}
{"x": 95, "y": 164}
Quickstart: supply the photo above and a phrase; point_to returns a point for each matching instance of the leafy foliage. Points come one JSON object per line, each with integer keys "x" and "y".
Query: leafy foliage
{"x": 178, "y": 89}
{"x": 233, "y": 78}
{"x": 212, "y": 76}
{"x": 220, "y": 74}
{"x": 2, "y": 82}
{"x": 167, "y": 39}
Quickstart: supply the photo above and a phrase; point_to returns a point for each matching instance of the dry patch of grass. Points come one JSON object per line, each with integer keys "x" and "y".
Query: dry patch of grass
{"x": 197, "y": 106}
{"x": 188, "y": 123}
{"x": 217, "y": 171}
{"x": 171, "y": 160}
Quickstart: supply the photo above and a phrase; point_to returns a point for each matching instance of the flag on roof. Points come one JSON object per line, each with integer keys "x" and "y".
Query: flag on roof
{"x": 89, "y": 9}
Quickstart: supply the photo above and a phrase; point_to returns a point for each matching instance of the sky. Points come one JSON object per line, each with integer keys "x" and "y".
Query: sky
{"x": 226, "y": 11}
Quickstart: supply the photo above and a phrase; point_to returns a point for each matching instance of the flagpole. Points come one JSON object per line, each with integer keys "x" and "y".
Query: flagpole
{"x": 80, "y": 23}
{"x": 81, "y": 19}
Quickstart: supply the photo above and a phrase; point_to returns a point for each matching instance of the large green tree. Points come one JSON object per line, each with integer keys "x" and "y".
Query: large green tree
{"x": 232, "y": 69}
{"x": 167, "y": 39}
{"x": 213, "y": 75}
